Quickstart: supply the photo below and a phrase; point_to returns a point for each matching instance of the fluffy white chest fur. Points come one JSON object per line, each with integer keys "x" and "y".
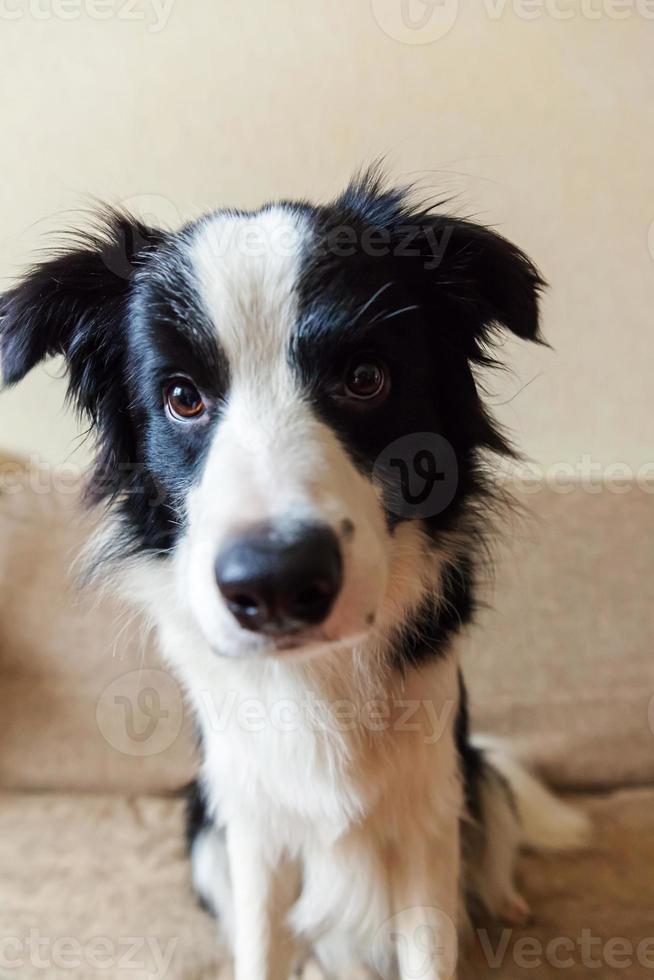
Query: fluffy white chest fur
{"x": 342, "y": 781}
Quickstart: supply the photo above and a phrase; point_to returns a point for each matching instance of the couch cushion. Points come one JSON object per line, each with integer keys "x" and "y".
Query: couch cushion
{"x": 562, "y": 658}
{"x": 97, "y": 877}
{"x": 103, "y": 882}
{"x": 85, "y": 702}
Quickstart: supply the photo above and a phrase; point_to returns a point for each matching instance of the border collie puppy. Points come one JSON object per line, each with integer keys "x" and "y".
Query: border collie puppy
{"x": 290, "y": 451}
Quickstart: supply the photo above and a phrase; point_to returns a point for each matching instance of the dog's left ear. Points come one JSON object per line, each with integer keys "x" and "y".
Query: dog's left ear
{"x": 74, "y": 305}
{"x": 468, "y": 278}
{"x": 487, "y": 281}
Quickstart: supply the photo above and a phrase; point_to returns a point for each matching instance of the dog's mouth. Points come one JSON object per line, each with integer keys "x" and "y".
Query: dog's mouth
{"x": 297, "y": 642}
{"x": 294, "y": 643}
{"x": 249, "y": 647}
{"x": 300, "y": 645}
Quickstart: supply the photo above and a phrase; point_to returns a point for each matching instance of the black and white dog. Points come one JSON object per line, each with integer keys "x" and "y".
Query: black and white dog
{"x": 291, "y": 451}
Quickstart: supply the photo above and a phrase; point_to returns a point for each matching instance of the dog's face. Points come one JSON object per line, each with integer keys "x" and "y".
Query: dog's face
{"x": 284, "y": 402}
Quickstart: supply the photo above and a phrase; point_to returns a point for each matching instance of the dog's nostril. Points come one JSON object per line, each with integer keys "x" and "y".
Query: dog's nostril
{"x": 279, "y": 581}
{"x": 247, "y": 607}
{"x": 244, "y": 603}
{"x": 310, "y": 601}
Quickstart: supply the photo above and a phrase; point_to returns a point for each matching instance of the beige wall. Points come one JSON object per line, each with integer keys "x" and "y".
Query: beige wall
{"x": 541, "y": 125}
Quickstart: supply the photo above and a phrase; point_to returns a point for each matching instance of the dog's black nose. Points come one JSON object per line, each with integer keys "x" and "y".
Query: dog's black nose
{"x": 278, "y": 581}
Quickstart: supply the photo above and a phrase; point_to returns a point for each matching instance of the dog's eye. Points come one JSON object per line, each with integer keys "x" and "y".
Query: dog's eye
{"x": 183, "y": 400}
{"x": 366, "y": 380}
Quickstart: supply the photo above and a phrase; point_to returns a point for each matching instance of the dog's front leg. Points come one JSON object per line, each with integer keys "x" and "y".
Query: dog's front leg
{"x": 426, "y": 902}
{"x": 263, "y": 891}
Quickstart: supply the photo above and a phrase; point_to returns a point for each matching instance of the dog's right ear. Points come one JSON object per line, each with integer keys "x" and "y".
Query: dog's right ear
{"x": 74, "y": 305}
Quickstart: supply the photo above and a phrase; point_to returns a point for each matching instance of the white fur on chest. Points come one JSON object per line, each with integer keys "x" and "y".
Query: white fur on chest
{"x": 276, "y": 755}
{"x": 330, "y": 780}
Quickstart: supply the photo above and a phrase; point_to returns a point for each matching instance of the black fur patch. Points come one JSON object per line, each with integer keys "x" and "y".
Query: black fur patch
{"x": 123, "y": 310}
{"x": 424, "y": 293}
{"x": 197, "y": 813}
{"x": 471, "y": 759}
{"x": 429, "y": 632}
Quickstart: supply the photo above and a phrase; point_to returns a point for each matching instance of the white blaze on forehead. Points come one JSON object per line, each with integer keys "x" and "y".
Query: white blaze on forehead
{"x": 271, "y": 458}
{"x": 247, "y": 268}
{"x": 267, "y": 447}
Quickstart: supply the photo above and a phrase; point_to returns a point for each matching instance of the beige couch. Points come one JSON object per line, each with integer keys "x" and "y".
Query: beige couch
{"x": 95, "y": 743}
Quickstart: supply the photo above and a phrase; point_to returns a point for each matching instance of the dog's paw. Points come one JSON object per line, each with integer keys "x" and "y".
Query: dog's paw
{"x": 515, "y": 911}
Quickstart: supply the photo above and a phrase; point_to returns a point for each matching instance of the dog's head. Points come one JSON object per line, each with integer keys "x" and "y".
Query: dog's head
{"x": 284, "y": 401}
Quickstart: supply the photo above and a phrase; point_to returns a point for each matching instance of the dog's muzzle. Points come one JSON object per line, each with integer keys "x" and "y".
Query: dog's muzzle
{"x": 280, "y": 580}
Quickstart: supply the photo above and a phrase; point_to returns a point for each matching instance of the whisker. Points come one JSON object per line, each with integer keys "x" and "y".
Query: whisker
{"x": 383, "y": 316}
{"x": 366, "y": 306}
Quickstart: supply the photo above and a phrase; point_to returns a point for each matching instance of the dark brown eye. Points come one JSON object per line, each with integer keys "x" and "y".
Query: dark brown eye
{"x": 183, "y": 400}
{"x": 366, "y": 380}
